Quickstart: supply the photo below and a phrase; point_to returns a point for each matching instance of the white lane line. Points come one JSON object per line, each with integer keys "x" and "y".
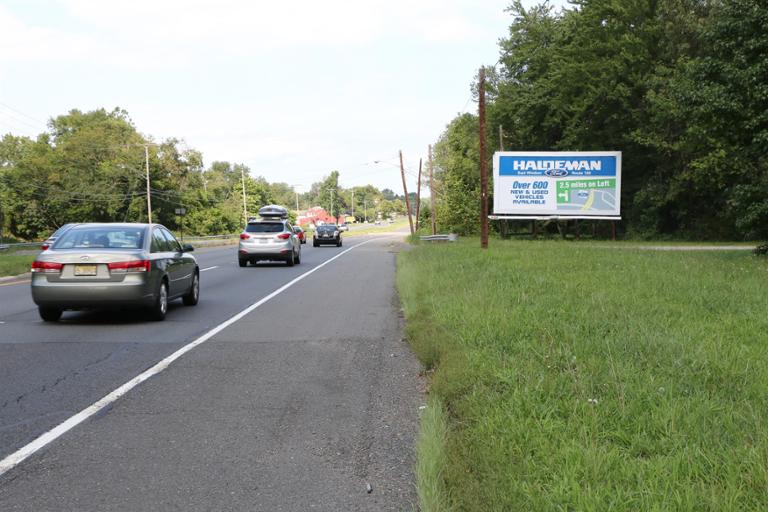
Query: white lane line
{"x": 15, "y": 458}
{"x": 209, "y": 268}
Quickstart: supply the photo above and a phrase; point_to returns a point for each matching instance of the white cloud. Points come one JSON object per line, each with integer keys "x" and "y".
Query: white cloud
{"x": 272, "y": 84}
{"x": 20, "y": 42}
{"x": 142, "y": 33}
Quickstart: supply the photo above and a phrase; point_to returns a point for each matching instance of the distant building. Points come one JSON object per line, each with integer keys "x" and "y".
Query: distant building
{"x": 314, "y": 215}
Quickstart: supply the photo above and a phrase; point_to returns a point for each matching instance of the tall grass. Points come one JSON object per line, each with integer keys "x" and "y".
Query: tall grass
{"x": 430, "y": 484}
{"x": 15, "y": 264}
{"x": 581, "y": 378}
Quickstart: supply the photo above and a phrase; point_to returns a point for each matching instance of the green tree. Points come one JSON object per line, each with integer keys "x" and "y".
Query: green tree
{"x": 708, "y": 122}
{"x": 327, "y": 194}
{"x": 456, "y": 157}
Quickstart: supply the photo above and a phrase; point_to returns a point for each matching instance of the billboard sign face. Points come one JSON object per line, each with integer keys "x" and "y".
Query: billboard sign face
{"x": 573, "y": 184}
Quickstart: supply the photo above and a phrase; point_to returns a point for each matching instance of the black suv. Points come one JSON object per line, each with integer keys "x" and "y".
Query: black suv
{"x": 327, "y": 234}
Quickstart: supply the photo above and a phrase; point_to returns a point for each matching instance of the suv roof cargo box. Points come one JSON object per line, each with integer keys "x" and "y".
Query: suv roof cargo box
{"x": 273, "y": 211}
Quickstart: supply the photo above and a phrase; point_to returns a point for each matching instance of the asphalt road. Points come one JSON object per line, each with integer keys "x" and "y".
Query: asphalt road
{"x": 299, "y": 405}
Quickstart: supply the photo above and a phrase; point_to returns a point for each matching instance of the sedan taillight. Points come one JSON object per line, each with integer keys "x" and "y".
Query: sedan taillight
{"x": 284, "y": 236}
{"x": 45, "y": 247}
{"x": 243, "y": 236}
{"x": 46, "y": 267}
{"x": 130, "y": 266}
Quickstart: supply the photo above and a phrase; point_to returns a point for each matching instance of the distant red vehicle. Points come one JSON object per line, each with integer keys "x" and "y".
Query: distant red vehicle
{"x": 300, "y": 234}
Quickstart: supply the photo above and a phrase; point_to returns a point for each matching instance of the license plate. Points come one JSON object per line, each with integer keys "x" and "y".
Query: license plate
{"x": 263, "y": 241}
{"x": 85, "y": 270}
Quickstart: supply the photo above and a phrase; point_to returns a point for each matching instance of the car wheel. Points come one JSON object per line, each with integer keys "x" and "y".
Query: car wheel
{"x": 291, "y": 259}
{"x": 242, "y": 262}
{"x": 49, "y": 314}
{"x": 193, "y": 295}
{"x": 160, "y": 307}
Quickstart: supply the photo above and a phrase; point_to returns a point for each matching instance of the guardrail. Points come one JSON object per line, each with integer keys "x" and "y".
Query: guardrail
{"x": 203, "y": 239}
{"x": 211, "y": 237}
{"x": 5, "y": 247}
{"x": 451, "y": 237}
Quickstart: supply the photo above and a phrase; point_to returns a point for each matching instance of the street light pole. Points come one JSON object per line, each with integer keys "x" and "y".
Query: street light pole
{"x": 295, "y": 185}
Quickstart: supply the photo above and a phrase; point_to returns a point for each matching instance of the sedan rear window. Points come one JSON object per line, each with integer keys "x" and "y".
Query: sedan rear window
{"x": 101, "y": 238}
{"x": 264, "y": 227}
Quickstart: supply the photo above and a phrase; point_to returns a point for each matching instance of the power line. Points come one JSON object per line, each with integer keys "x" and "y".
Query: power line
{"x": 22, "y": 113}
{"x": 19, "y": 120}
{"x": 27, "y": 134}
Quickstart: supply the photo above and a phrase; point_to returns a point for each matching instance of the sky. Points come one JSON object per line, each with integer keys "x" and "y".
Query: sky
{"x": 294, "y": 90}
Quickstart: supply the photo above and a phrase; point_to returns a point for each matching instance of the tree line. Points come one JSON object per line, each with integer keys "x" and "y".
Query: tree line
{"x": 679, "y": 86}
{"x": 91, "y": 167}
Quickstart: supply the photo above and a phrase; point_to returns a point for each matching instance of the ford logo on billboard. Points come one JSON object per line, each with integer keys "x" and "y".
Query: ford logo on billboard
{"x": 556, "y": 172}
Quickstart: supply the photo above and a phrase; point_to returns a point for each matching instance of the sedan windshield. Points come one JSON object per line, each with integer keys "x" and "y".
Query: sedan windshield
{"x": 101, "y": 238}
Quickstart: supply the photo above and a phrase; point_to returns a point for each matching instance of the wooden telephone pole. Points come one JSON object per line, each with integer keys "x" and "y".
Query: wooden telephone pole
{"x": 432, "y": 194}
{"x": 483, "y": 166}
{"x": 418, "y": 197}
{"x": 405, "y": 191}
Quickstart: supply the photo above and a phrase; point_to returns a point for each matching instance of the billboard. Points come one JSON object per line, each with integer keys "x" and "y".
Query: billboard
{"x": 571, "y": 184}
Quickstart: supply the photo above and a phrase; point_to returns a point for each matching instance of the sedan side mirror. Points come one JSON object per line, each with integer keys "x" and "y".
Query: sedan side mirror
{"x": 187, "y": 248}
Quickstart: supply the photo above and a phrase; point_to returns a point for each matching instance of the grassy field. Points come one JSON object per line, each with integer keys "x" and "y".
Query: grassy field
{"x": 14, "y": 264}
{"x": 372, "y": 229}
{"x": 578, "y": 378}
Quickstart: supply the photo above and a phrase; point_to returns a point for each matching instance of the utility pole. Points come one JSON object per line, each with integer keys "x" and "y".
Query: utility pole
{"x": 353, "y": 203}
{"x": 503, "y": 224}
{"x": 418, "y": 197}
{"x": 405, "y": 191}
{"x": 245, "y": 208}
{"x": 365, "y": 209}
{"x": 149, "y": 196}
{"x": 483, "y": 170}
{"x": 332, "y": 191}
{"x": 432, "y": 194}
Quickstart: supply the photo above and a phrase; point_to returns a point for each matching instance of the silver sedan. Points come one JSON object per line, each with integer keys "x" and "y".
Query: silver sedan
{"x": 94, "y": 266}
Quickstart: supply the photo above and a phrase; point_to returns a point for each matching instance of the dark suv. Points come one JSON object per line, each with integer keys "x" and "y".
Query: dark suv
{"x": 327, "y": 234}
